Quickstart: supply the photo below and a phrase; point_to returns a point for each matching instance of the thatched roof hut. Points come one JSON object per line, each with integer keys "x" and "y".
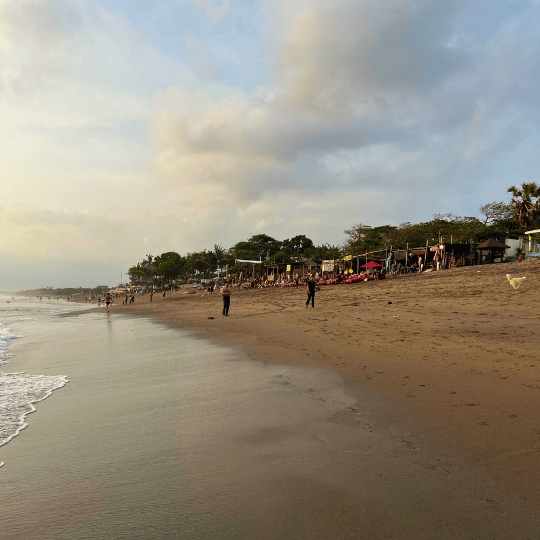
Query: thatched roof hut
{"x": 494, "y": 248}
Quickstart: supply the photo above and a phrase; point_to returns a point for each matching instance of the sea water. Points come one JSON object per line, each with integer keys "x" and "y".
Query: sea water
{"x": 162, "y": 435}
{"x": 19, "y": 391}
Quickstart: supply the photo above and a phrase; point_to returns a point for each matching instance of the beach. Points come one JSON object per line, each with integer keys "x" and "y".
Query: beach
{"x": 399, "y": 409}
{"x": 457, "y": 350}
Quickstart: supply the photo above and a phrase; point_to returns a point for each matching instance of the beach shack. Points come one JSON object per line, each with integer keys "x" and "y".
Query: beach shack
{"x": 447, "y": 254}
{"x": 458, "y": 255}
{"x": 275, "y": 272}
{"x": 303, "y": 267}
{"x": 494, "y": 249}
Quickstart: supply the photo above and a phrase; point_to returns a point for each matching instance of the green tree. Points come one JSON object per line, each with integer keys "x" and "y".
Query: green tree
{"x": 223, "y": 257}
{"x": 324, "y": 252}
{"x": 257, "y": 247}
{"x": 143, "y": 270}
{"x": 204, "y": 263}
{"x": 364, "y": 238}
{"x": 526, "y": 204}
{"x": 281, "y": 256}
{"x": 297, "y": 245}
{"x": 169, "y": 266}
{"x": 135, "y": 273}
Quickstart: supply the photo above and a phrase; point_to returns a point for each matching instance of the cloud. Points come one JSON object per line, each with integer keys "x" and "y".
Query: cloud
{"x": 76, "y": 135}
{"x": 242, "y": 147}
{"x": 197, "y": 59}
{"x": 60, "y": 233}
{"x": 357, "y": 56}
{"x": 30, "y": 36}
{"x": 376, "y": 110}
{"x": 372, "y": 111}
{"x": 214, "y": 12}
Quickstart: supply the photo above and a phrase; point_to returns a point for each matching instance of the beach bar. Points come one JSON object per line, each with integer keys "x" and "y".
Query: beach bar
{"x": 494, "y": 249}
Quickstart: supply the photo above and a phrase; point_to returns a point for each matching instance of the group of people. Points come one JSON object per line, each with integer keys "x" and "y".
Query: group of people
{"x": 226, "y": 294}
{"x": 128, "y": 299}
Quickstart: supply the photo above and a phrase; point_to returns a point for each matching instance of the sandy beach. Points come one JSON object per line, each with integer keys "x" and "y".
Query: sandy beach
{"x": 455, "y": 352}
{"x": 400, "y": 409}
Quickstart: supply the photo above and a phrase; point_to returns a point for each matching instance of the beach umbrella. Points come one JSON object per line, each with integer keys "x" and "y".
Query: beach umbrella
{"x": 371, "y": 264}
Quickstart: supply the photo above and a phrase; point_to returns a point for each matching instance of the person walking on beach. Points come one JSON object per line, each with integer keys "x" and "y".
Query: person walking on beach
{"x": 108, "y": 300}
{"x": 310, "y": 286}
{"x": 226, "y": 293}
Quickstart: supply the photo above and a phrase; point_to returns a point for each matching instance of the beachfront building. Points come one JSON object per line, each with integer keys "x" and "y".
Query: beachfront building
{"x": 299, "y": 268}
{"x": 490, "y": 251}
{"x": 304, "y": 267}
{"x": 447, "y": 254}
{"x": 275, "y": 272}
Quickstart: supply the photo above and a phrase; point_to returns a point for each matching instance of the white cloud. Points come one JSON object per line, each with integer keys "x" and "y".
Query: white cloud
{"x": 56, "y": 233}
{"x": 362, "y": 55}
{"x": 214, "y": 12}
{"x": 374, "y": 111}
{"x": 372, "y": 117}
{"x": 77, "y": 134}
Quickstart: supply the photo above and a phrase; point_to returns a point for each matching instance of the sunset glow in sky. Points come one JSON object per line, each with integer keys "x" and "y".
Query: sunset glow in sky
{"x": 137, "y": 127}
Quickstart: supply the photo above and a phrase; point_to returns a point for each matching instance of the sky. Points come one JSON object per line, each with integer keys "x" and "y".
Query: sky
{"x": 138, "y": 127}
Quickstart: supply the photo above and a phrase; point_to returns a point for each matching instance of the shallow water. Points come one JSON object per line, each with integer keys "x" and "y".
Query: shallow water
{"x": 160, "y": 434}
{"x": 19, "y": 391}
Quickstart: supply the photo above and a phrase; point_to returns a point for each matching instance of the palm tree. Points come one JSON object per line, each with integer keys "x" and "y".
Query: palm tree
{"x": 526, "y": 204}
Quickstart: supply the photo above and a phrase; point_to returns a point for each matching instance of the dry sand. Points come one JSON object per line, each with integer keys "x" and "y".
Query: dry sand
{"x": 456, "y": 351}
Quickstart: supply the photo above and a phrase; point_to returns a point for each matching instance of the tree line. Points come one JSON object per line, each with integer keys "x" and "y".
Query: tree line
{"x": 499, "y": 220}
{"x": 172, "y": 266}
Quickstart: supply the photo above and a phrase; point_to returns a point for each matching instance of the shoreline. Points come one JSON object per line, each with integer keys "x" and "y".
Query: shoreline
{"x": 225, "y": 447}
{"x": 454, "y": 351}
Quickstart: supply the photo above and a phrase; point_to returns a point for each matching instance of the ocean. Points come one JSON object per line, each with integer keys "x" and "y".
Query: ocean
{"x": 141, "y": 431}
{"x": 19, "y": 392}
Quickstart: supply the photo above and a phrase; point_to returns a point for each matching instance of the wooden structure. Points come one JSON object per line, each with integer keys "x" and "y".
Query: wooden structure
{"x": 494, "y": 248}
{"x": 304, "y": 267}
{"x": 274, "y": 272}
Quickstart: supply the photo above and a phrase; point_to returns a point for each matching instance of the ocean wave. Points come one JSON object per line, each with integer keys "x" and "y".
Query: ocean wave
{"x": 18, "y": 394}
{"x": 6, "y": 335}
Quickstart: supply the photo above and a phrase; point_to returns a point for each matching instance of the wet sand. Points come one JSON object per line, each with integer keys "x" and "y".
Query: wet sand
{"x": 454, "y": 352}
{"x": 163, "y": 435}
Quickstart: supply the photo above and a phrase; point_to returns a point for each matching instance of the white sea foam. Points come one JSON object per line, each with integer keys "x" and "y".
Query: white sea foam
{"x": 6, "y": 335}
{"x": 18, "y": 393}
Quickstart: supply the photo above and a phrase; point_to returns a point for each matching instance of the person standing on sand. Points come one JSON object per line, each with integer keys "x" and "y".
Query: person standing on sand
{"x": 226, "y": 293}
{"x": 151, "y": 294}
{"x": 108, "y": 300}
{"x": 310, "y": 286}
